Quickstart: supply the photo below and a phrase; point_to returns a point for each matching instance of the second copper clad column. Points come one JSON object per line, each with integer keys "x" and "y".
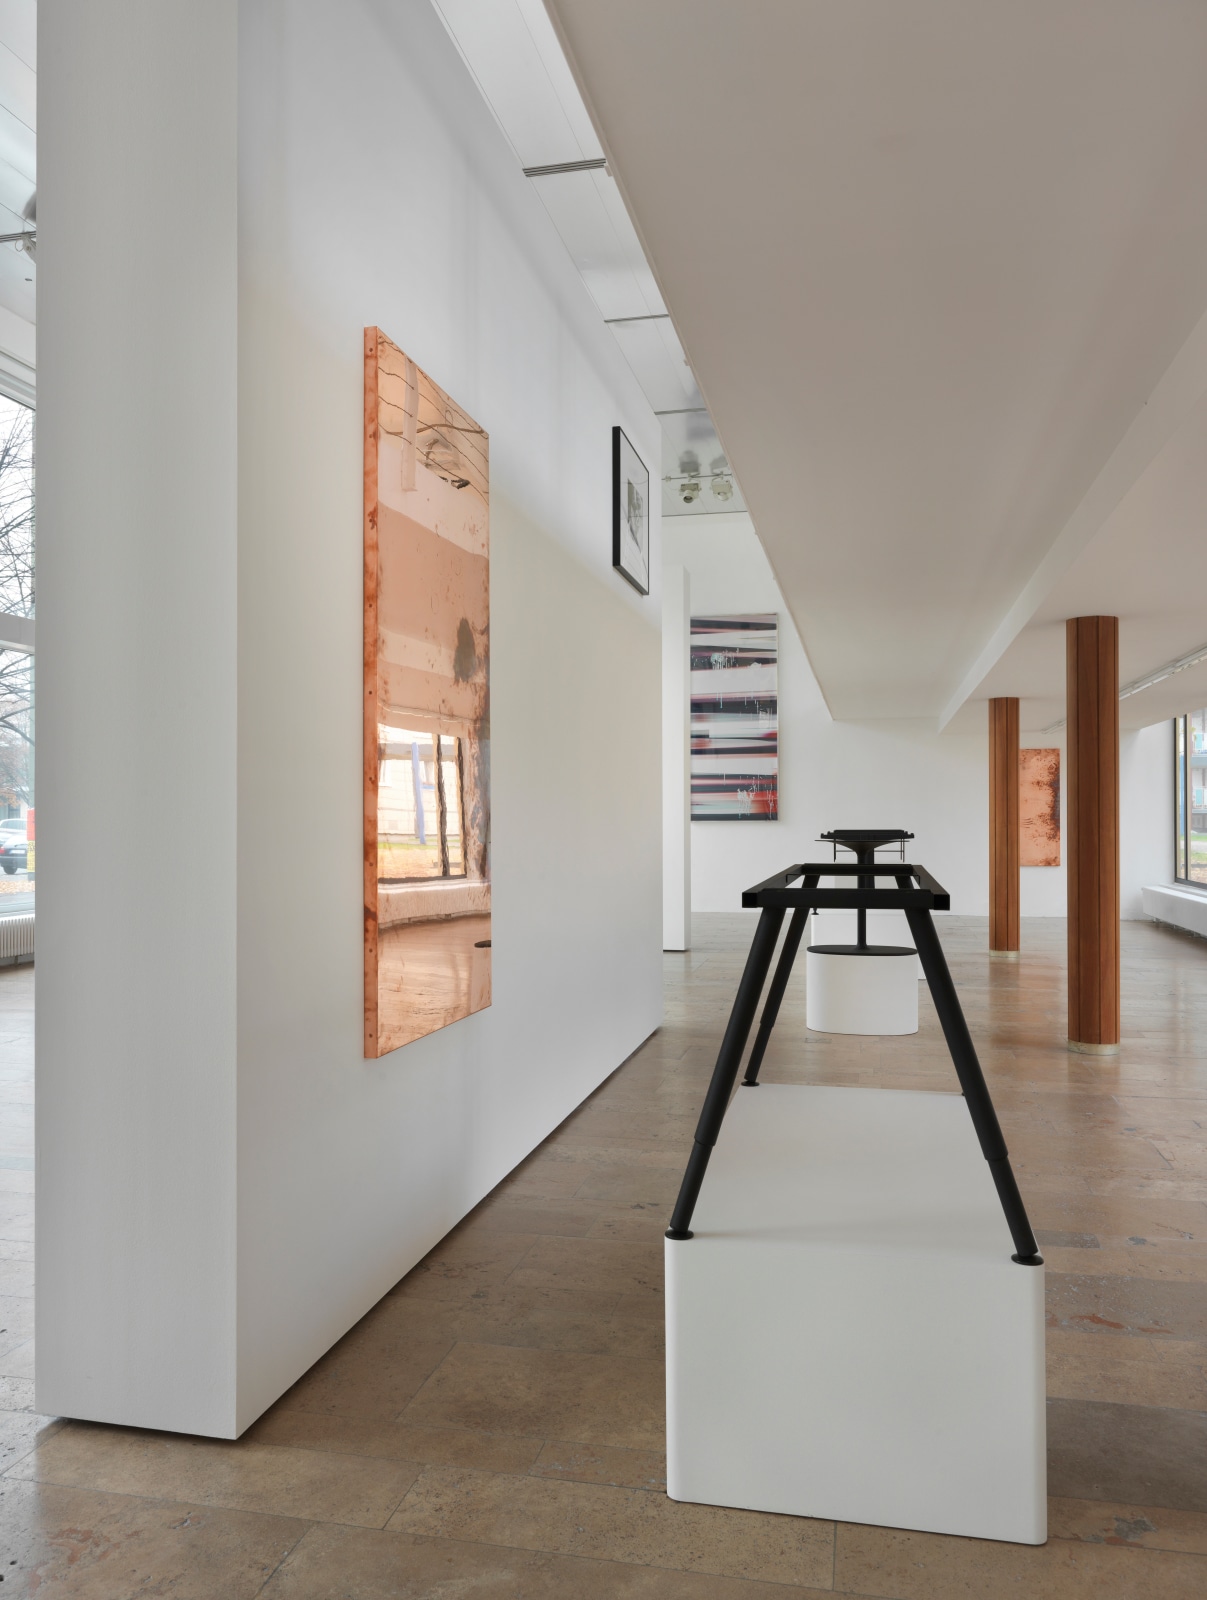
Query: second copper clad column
{"x": 1003, "y": 827}
{"x": 1093, "y": 856}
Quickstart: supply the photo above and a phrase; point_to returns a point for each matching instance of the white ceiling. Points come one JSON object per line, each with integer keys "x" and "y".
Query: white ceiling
{"x": 938, "y": 266}
{"x": 513, "y": 52}
{"x": 1147, "y": 565}
{"x": 18, "y": 154}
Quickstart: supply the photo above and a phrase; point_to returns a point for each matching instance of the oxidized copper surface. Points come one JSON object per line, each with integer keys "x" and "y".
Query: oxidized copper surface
{"x": 1039, "y": 808}
{"x": 427, "y": 705}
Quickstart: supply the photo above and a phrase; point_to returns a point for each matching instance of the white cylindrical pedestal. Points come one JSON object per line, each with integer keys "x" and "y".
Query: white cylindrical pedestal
{"x": 869, "y": 991}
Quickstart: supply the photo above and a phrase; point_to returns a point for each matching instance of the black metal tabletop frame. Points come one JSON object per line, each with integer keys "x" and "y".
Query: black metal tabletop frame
{"x": 918, "y": 895}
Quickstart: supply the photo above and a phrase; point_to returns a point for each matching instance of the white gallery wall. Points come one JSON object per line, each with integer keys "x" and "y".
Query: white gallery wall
{"x": 676, "y": 760}
{"x": 225, "y": 1185}
{"x": 1146, "y": 816}
{"x": 893, "y": 773}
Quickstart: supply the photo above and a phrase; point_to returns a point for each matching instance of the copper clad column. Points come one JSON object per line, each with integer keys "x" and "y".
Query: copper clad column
{"x": 1003, "y": 828}
{"x": 1093, "y": 812}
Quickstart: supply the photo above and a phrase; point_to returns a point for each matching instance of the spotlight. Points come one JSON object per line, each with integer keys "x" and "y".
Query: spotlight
{"x": 722, "y": 488}
{"x": 689, "y": 491}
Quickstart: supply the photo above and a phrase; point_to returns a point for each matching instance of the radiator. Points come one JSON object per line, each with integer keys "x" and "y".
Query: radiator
{"x": 17, "y": 937}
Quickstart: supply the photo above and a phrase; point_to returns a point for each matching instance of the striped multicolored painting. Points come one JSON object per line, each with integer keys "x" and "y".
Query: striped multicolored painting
{"x": 734, "y": 720}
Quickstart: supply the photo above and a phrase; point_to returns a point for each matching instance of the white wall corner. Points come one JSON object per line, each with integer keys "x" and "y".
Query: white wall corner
{"x": 676, "y": 758}
{"x": 137, "y": 702}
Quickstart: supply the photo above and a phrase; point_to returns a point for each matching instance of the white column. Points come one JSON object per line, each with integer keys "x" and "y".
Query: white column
{"x": 676, "y": 759}
{"x": 137, "y": 713}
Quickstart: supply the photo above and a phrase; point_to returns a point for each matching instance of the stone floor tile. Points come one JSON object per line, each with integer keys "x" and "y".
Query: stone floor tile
{"x": 634, "y": 1222}
{"x": 16, "y": 1276}
{"x": 362, "y": 1564}
{"x": 470, "y": 1258}
{"x": 17, "y": 1359}
{"x": 1115, "y": 1220}
{"x": 16, "y": 1318}
{"x": 367, "y": 1376}
{"x": 625, "y": 1266}
{"x": 545, "y": 1393}
{"x": 21, "y": 1432}
{"x": 71, "y": 1544}
{"x": 1175, "y": 1259}
{"x": 626, "y": 1525}
{"x": 508, "y": 1298}
{"x": 582, "y": 1463}
{"x": 248, "y": 1477}
{"x": 1144, "y": 1527}
{"x": 1145, "y": 1455}
{"x": 1130, "y": 1371}
{"x": 16, "y": 1394}
{"x": 358, "y": 1436}
{"x": 889, "y": 1563}
{"x": 589, "y": 1322}
{"x": 516, "y": 1217}
{"x": 647, "y": 1186}
{"x": 1159, "y": 1308}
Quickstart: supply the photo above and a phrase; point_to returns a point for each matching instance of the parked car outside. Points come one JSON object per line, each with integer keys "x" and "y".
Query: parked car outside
{"x": 14, "y": 849}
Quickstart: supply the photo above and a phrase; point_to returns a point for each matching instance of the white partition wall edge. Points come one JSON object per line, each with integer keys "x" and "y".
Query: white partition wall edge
{"x": 224, "y": 1184}
{"x": 676, "y": 760}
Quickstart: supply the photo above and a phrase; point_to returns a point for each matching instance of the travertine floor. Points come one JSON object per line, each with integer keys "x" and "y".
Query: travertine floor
{"x": 494, "y": 1427}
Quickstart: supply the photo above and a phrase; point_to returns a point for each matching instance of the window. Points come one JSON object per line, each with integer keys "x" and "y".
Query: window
{"x": 16, "y": 663}
{"x": 1190, "y": 798}
{"x": 419, "y": 806}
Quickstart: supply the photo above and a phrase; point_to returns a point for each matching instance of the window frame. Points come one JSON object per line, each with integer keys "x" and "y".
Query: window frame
{"x": 1183, "y": 806}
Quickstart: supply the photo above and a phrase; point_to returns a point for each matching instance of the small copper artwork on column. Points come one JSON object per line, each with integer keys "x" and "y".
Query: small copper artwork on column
{"x": 1039, "y": 808}
{"x": 427, "y": 705}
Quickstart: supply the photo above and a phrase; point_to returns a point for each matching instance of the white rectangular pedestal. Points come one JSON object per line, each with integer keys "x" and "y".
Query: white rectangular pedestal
{"x": 847, "y": 1336}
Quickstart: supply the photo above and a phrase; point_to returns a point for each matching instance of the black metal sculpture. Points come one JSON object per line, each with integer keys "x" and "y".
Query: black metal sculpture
{"x": 918, "y": 895}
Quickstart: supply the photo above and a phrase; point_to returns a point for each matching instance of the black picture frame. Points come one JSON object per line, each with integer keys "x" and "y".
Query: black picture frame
{"x": 630, "y": 513}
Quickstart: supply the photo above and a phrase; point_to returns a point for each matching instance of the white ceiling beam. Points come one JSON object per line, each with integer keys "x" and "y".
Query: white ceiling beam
{"x": 1182, "y": 386}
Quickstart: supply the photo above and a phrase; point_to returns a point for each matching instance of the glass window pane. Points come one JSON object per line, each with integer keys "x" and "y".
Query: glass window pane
{"x": 16, "y": 668}
{"x": 1196, "y": 796}
{"x": 1179, "y": 791}
{"x": 418, "y": 806}
{"x": 16, "y": 508}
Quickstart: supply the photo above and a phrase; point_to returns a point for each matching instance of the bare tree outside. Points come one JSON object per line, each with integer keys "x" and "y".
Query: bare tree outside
{"x": 16, "y": 508}
{"x": 16, "y": 598}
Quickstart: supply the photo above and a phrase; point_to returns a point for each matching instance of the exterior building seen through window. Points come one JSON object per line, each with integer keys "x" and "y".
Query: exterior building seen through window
{"x": 1190, "y": 798}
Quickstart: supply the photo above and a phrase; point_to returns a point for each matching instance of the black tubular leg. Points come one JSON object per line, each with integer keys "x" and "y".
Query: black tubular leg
{"x": 972, "y": 1082}
{"x": 865, "y": 880}
{"x": 775, "y": 995}
{"x": 725, "y": 1073}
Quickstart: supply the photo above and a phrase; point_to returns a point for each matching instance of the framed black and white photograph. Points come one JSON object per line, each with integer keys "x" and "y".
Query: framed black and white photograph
{"x": 630, "y": 513}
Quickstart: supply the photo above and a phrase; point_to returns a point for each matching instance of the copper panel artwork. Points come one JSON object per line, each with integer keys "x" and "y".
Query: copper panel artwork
{"x": 427, "y": 705}
{"x": 1039, "y": 808}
